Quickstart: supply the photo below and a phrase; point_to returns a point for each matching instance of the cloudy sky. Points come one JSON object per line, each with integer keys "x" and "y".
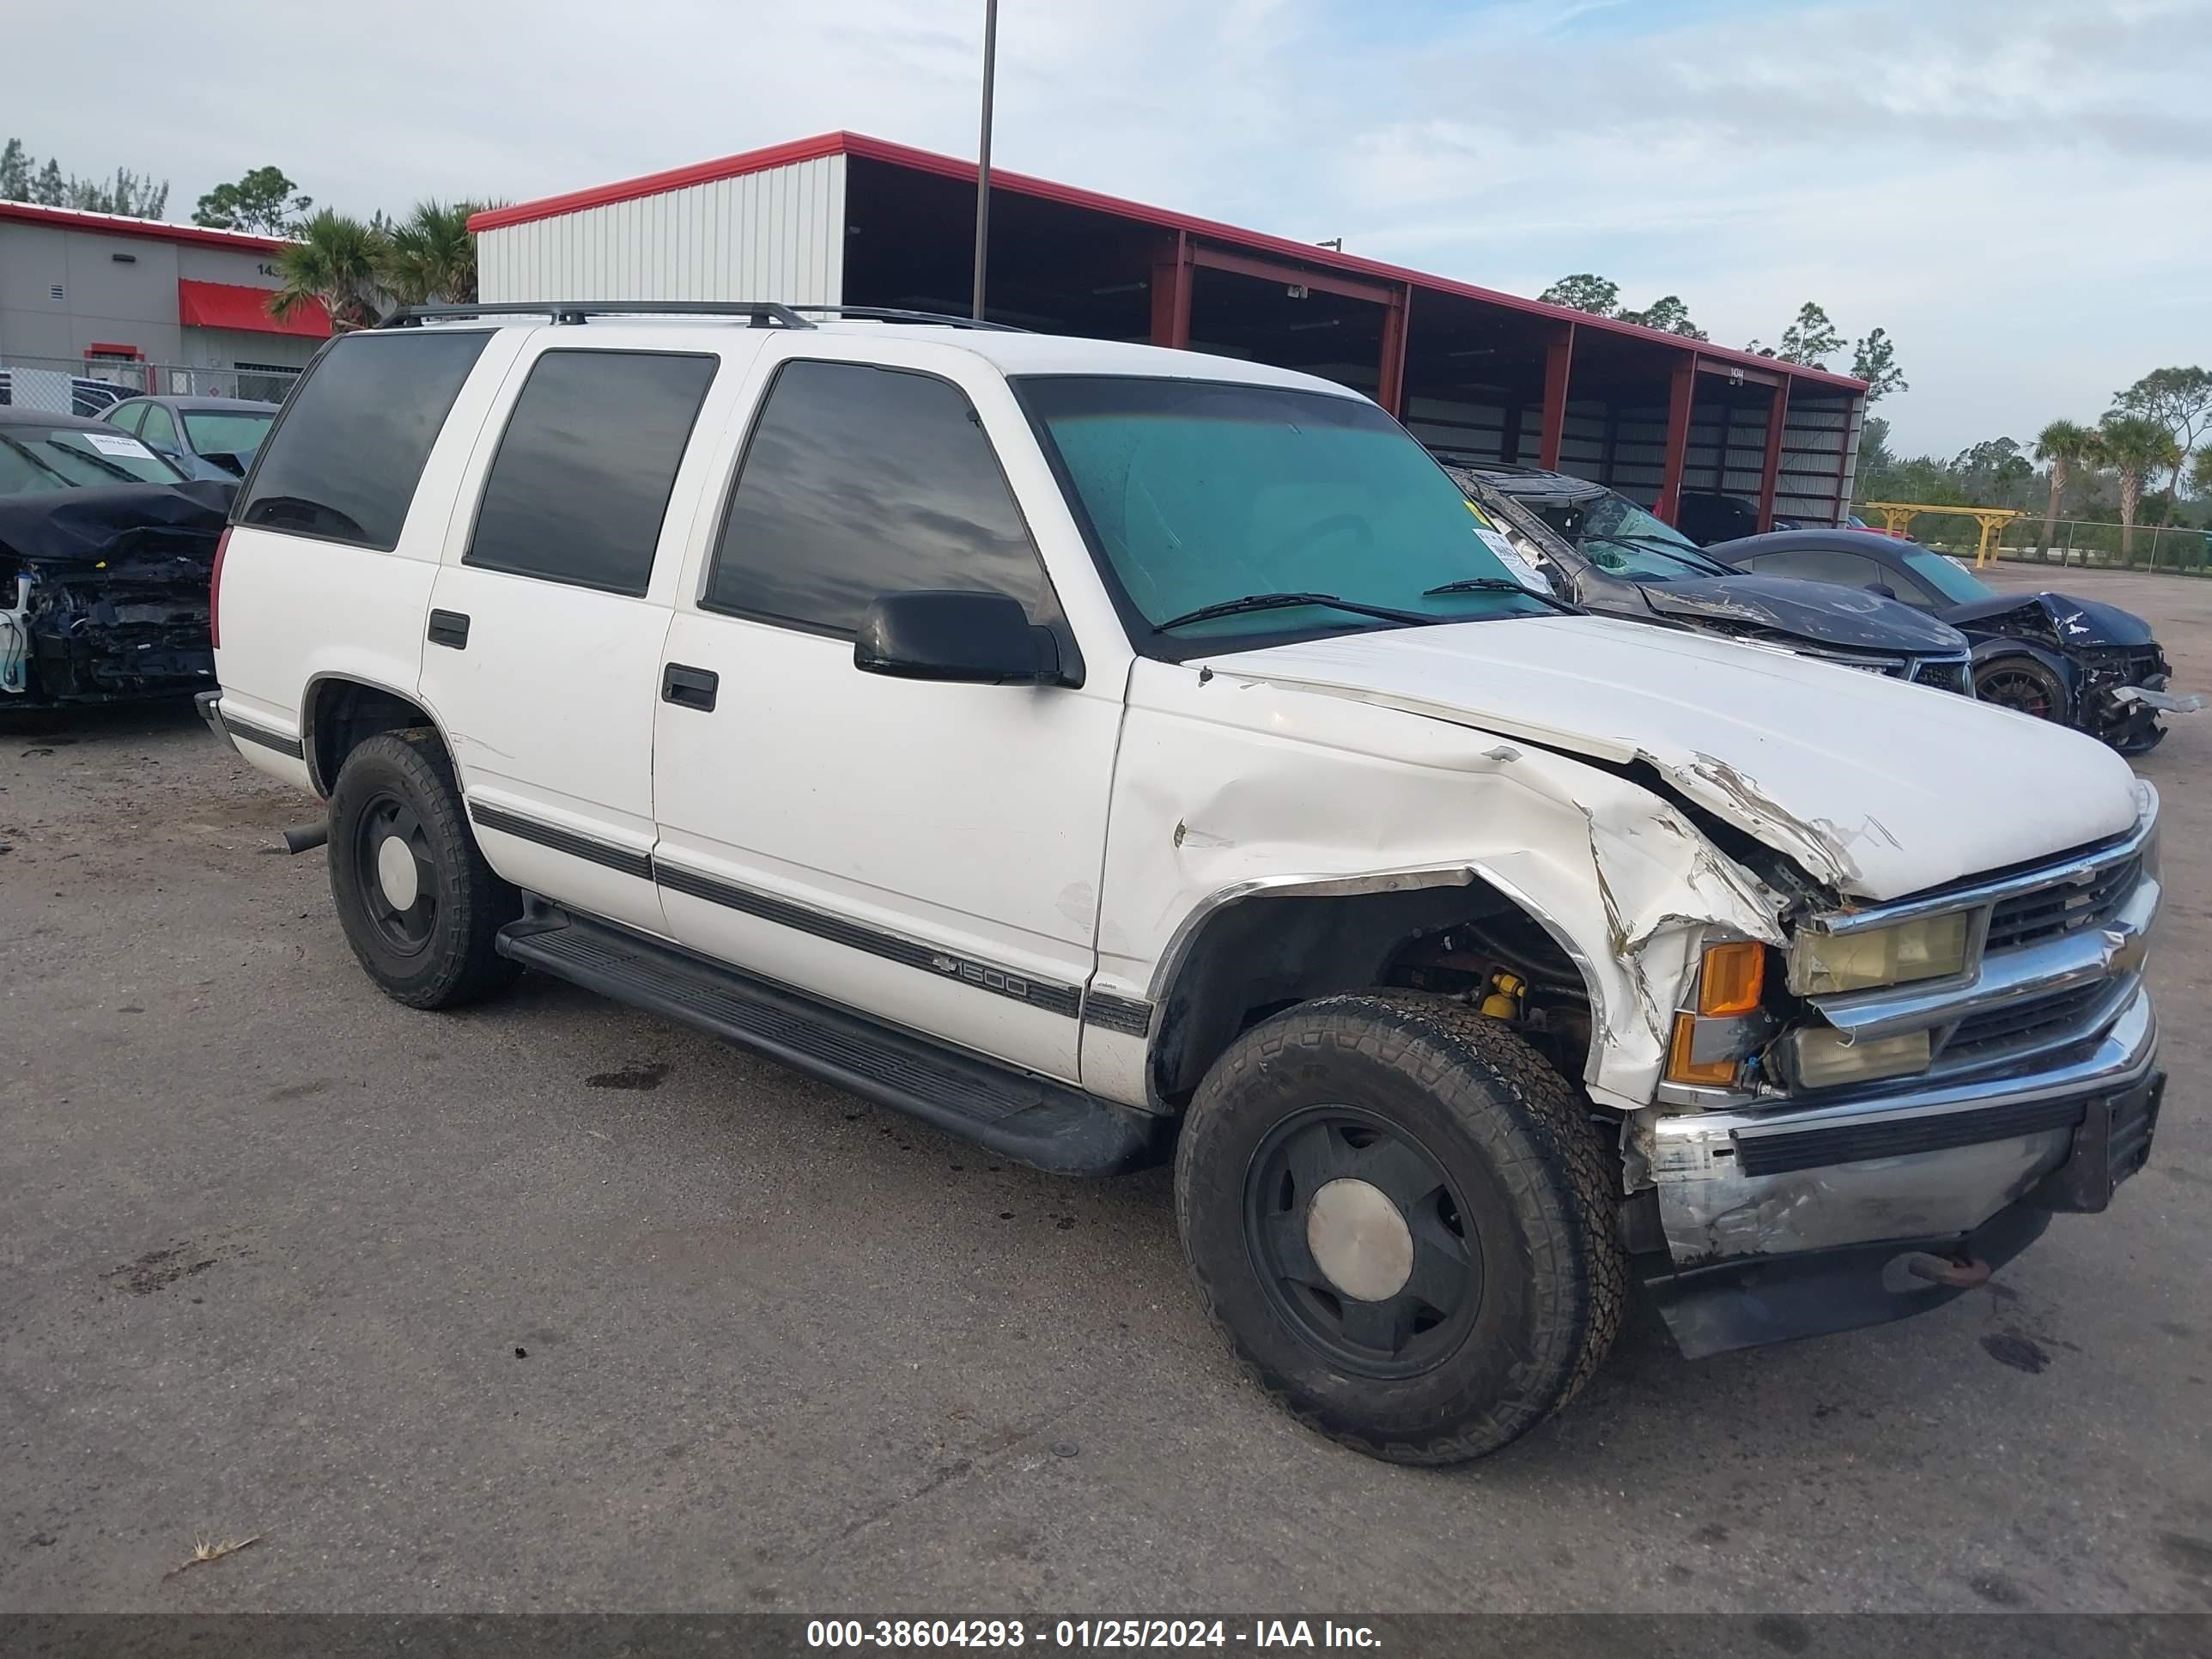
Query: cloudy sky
{"x": 2020, "y": 191}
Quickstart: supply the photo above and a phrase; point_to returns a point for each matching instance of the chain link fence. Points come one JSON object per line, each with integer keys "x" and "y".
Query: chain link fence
{"x": 2084, "y": 543}
{"x": 78, "y": 385}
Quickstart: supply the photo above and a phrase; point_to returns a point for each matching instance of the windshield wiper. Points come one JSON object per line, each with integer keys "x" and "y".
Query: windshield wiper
{"x": 1502, "y": 585}
{"x": 1283, "y": 601}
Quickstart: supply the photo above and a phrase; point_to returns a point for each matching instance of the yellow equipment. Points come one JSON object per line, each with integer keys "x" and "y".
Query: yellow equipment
{"x": 1898, "y": 515}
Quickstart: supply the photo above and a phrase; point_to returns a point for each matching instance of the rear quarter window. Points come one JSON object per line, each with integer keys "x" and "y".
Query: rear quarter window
{"x": 348, "y": 449}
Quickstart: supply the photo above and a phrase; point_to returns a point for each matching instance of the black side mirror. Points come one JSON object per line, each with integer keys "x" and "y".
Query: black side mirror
{"x": 232, "y": 463}
{"x": 981, "y": 639}
{"x": 1882, "y": 588}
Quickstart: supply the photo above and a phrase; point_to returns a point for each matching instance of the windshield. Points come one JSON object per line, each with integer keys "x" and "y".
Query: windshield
{"x": 227, "y": 433}
{"x": 35, "y": 457}
{"x": 1616, "y": 535}
{"x": 1199, "y": 493}
{"x": 1946, "y": 576}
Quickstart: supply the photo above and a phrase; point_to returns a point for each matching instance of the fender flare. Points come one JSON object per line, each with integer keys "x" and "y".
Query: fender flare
{"x": 309, "y": 748}
{"x": 1168, "y": 970}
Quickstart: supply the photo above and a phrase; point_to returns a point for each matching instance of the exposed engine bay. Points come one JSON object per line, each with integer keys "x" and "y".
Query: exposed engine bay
{"x": 104, "y": 593}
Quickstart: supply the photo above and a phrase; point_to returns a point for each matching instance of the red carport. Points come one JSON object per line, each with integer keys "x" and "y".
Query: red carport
{"x": 847, "y": 219}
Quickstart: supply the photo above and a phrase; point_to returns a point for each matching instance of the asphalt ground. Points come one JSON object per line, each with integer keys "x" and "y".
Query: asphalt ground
{"x": 553, "y": 1305}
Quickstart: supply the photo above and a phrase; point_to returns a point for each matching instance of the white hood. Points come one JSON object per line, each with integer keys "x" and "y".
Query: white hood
{"x": 1878, "y": 787}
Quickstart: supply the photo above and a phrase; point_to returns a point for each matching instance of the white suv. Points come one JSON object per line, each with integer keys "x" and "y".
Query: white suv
{"x": 1111, "y": 753}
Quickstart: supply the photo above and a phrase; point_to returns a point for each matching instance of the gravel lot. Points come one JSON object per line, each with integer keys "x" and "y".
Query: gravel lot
{"x": 555, "y": 1306}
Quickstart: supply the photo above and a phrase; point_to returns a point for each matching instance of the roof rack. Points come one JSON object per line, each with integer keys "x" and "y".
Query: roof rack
{"x": 759, "y": 313}
{"x": 896, "y": 314}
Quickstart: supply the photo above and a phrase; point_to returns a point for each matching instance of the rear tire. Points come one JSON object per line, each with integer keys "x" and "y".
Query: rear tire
{"x": 1460, "y": 1277}
{"x": 419, "y": 905}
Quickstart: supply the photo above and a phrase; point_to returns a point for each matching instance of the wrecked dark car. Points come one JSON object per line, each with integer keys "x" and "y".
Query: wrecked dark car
{"x": 2092, "y": 666}
{"x": 106, "y": 556}
{"x": 1597, "y": 548}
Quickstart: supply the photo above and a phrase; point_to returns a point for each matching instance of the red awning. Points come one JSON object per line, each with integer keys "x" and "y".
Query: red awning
{"x": 230, "y": 305}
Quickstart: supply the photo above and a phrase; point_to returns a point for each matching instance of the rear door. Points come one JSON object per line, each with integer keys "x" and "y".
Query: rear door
{"x": 544, "y": 643}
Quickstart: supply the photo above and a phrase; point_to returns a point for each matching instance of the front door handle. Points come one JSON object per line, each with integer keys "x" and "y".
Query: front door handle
{"x": 449, "y": 628}
{"x": 688, "y": 688}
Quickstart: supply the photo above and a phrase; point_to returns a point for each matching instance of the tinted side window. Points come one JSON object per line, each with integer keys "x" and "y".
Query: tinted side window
{"x": 860, "y": 481}
{"x": 161, "y": 426}
{"x": 127, "y": 416}
{"x": 348, "y": 449}
{"x": 1847, "y": 569}
{"x": 580, "y": 483}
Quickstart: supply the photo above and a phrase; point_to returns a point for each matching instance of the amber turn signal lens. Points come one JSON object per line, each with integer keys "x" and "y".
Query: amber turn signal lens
{"x": 1733, "y": 976}
{"x": 1682, "y": 1068}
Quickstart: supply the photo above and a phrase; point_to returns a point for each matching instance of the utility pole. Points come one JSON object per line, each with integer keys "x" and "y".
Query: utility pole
{"x": 983, "y": 155}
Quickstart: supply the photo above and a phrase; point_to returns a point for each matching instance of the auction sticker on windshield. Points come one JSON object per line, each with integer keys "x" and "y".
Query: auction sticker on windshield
{"x": 1509, "y": 555}
{"x": 117, "y": 443}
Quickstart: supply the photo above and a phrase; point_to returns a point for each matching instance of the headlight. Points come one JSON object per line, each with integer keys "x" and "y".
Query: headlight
{"x": 1934, "y": 948}
{"x": 1825, "y": 1057}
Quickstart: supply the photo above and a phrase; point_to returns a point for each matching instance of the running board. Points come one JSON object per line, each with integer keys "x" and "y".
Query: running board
{"x": 1030, "y": 1119}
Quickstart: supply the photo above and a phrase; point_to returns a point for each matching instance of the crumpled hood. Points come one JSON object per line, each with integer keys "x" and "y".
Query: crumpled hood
{"x": 2076, "y": 622}
{"x": 1876, "y": 786}
{"x": 1847, "y": 618}
{"x": 64, "y": 526}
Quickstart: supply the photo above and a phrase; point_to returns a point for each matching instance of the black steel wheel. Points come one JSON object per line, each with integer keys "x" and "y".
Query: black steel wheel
{"x": 395, "y": 875}
{"x": 2023, "y": 683}
{"x": 1402, "y": 1219}
{"x": 419, "y": 904}
{"x": 1358, "y": 1232}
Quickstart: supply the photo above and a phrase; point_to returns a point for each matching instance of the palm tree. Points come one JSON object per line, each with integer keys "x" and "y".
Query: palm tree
{"x": 2062, "y": 447}
{"x": 430, "y": 257}
{"x": 334, "y": 263}
{"x": 2135, "y": 446}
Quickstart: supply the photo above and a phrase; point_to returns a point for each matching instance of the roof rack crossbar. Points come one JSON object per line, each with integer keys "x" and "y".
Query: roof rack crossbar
{"x": 898, "y": 315}
{"x": 759, "y": 313}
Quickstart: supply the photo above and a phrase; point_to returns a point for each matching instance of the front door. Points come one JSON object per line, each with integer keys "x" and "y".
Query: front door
{"x": 544, "y": 636}
{"x": 925, "y": 853}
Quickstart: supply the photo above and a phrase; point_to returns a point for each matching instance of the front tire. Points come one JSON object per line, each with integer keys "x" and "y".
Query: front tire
{"x": 2021, "y": 684}
{"x": 419, "y": 905}
{"x": 1401, "y": 1217}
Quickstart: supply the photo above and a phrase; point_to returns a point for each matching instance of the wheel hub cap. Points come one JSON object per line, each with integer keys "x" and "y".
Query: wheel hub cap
{"x": 396, "y": 873}
{"x": 1360, "y": 1240}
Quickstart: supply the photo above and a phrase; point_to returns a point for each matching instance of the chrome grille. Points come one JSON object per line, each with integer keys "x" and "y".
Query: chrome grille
{"x": 2023, "y": 1022}
{"x": 2052, "y": 911}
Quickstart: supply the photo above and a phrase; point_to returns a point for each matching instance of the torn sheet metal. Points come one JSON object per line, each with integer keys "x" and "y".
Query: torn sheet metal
{"x": 1237, "y": 786}
{"x": 1775, "y": 745}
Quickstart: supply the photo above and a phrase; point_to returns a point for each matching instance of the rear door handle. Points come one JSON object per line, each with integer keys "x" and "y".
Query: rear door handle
{"x": 688, "y": 688}
{"x": 449, "y": 628}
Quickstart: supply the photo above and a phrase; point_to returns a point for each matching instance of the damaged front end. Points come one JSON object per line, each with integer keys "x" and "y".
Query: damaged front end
{"x": 104, "y": 594}
{"x": 1941, "y": 1075}
{"x": 2111, "y": 679}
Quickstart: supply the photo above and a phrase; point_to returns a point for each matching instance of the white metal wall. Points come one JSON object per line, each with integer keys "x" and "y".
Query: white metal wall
{"x": 776, "y": 234}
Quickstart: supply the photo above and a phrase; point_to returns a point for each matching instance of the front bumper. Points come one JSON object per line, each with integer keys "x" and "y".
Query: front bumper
{"x": 1791, "y": 1223}
{"x": 2161, "y": 701}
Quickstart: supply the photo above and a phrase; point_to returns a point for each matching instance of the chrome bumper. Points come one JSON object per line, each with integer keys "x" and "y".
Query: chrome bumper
{"x": 1940, "y": 1159}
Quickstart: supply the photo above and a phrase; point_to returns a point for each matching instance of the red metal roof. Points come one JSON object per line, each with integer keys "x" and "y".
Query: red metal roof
{"x": 117, "y": 224}
{"x": 953, "y": 166}
{"x": 232, "y": 305}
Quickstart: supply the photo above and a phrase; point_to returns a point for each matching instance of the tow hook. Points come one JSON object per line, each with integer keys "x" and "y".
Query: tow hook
{"x": 306, "y": 837}
{"x": 1941, "y": 1270}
